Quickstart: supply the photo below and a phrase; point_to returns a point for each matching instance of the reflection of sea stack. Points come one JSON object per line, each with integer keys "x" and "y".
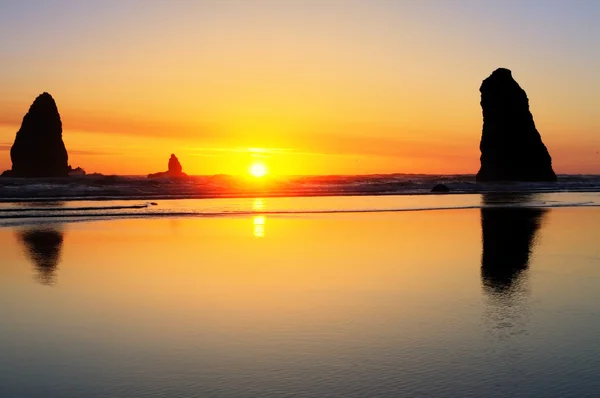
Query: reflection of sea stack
{"x": 39, "y": 150}
{"x": 511, "y": 146}
{"x": 508, "y": 235}
{"x": 43, "y": 247}
{"x": 175, "y": 170}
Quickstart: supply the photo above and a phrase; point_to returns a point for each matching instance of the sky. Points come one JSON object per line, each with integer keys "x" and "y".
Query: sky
{"x": 306, "y": 87}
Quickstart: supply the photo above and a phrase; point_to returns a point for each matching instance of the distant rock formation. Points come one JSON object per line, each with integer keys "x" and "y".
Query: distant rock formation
{"x": 175, "y": 170}
{"x": 77, "y": 171}
{"x": 511, "y": 146}
{"x": 38, "y": 150}
{"x": 440, "y": 188}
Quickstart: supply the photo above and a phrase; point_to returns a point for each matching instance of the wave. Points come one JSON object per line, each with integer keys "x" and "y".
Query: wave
{"x": 13, "y": 216}
{"x": 66, "y": 209}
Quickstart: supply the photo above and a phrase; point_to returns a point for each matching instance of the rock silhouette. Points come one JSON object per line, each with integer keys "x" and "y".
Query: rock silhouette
{"x": 43, "y": 248}
{"x": 38, "y": 150}
{"x": 175, "y": 170}
{"x": 440, "y": 188}
{"x": 174, "y": 165}
{"x": 77, "y": 171}
{"x": 511, "y": 147}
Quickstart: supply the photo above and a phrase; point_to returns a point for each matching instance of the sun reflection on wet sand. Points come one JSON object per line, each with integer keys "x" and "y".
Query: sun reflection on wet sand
{"x": 258, "y": 204}
{"x": 259, "y": 226}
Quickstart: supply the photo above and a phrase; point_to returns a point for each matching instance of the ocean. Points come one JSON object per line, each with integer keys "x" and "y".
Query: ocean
{"x": 100, "y": 187}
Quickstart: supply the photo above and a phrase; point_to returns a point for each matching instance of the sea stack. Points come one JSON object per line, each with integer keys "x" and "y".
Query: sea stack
{"x": 511, "y": 146}
{"x": 38, "y": 150}
{"x": 174, "y": 166}
{"x": 175, "y": 170}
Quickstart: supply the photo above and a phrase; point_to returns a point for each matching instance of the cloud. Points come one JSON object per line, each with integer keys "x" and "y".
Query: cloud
{"x": 348, "y": 139}
{"x": 340, "y": 145}
{"x": 91, "y": 153}
{"x": 251, "y": 151}
{"x": 133, "y": 125}
{"x": 369, "y": 145}
{"x": 85, "y": 152}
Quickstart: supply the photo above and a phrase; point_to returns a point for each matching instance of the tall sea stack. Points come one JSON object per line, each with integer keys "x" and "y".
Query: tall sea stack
{"x": 511, "y": 146}
{"x": 39, "y": 150}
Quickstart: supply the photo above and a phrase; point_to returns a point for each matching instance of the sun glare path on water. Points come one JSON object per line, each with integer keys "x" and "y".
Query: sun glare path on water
{"x": 258, "y": 170}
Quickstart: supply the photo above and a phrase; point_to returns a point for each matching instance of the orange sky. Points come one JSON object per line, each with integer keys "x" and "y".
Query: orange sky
{"x": 334, "y": 88}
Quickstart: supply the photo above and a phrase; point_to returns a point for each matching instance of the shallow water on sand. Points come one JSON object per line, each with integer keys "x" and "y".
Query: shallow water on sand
{"x": 465, "y": 302}
{"x": 23, "y": 213}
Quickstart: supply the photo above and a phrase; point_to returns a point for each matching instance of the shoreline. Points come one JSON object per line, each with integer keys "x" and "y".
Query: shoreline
{"x": 27, "y": 213}
{"x": 256, "y": 195}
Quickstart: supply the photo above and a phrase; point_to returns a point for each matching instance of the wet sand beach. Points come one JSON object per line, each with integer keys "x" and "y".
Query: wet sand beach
{"x": 469, "y": 301}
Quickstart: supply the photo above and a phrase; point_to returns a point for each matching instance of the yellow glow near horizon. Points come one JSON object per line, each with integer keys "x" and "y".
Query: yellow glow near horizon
{"x": 244, "y": 94}
{"x": 258, "y": 204}
{"x": 258, "y": 170}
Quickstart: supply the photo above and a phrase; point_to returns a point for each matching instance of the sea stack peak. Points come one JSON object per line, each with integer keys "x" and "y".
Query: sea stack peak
{"x": 174, "y": 170}
{"x": 174, "y": 165}
{"x": 38, "y": 150}
{"x": 511, "y": 147}
{"x": 502, "y": 71}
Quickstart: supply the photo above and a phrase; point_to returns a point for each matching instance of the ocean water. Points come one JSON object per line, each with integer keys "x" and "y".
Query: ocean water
{"x": 489, "y": 295}
{"x": 118, "y": 187}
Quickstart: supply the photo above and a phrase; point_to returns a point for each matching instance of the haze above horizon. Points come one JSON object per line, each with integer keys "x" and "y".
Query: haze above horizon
{"x": 303, "y": 87}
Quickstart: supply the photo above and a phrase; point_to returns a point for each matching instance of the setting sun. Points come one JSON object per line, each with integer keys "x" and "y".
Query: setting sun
{"x": 258, "y": 170}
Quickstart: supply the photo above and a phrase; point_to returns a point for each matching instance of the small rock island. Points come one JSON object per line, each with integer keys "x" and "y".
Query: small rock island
{"x": 174, "y": 171}
{"x": 39, "y": 150}
{"x": 511, "y": 147}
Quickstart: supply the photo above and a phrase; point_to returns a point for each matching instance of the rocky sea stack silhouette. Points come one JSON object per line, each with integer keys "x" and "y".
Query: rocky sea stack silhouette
{"x": 511, "y": 146}
{"x": 39, "y": 150}
{"x": 175, "y": 170}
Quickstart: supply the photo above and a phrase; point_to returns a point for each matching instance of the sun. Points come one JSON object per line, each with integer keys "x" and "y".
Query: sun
{"x": 258, "y": 170}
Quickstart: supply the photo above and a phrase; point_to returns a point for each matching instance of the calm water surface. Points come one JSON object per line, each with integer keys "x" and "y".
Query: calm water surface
{"x": 449, "y": 303}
